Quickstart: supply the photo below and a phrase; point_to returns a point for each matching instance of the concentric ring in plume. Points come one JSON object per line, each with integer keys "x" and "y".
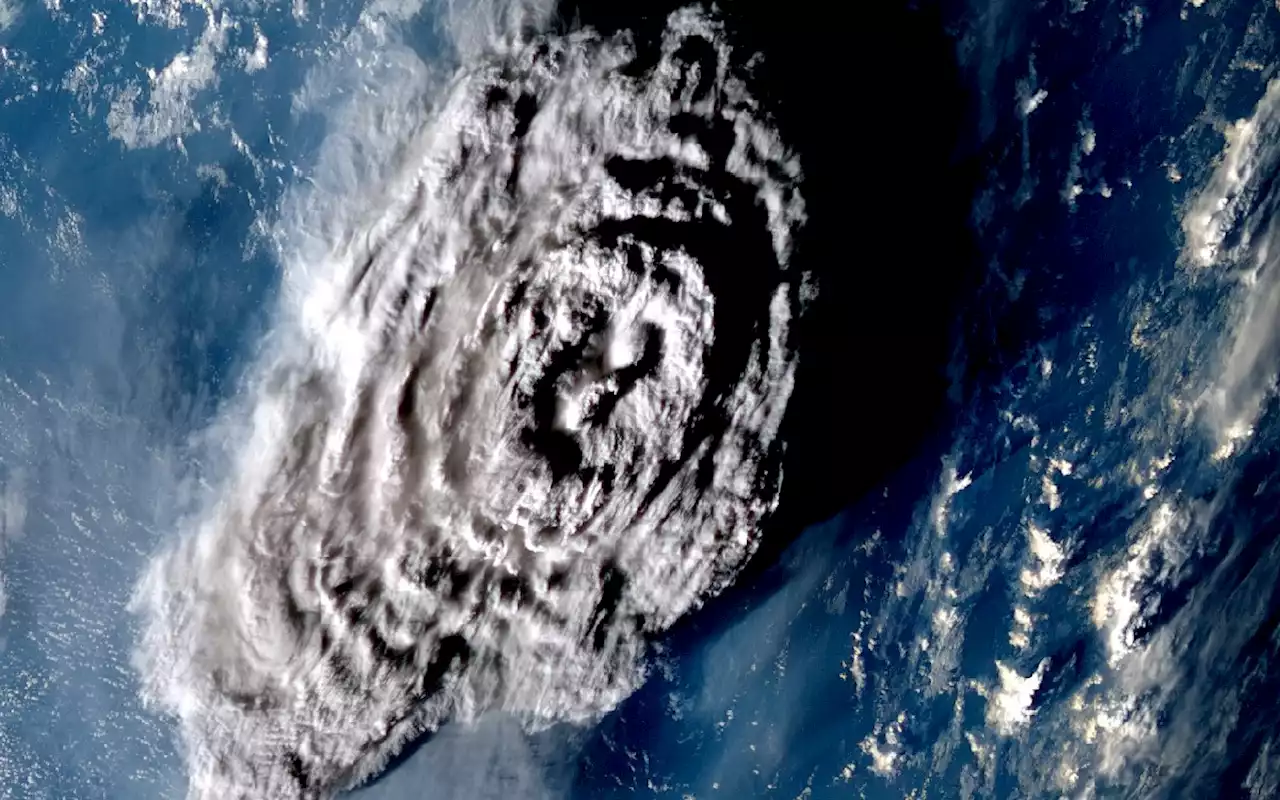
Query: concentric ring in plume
{"x": 527, "y": 419}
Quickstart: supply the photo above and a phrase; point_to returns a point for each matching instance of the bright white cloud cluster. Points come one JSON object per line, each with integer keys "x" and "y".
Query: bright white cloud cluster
{"x": 510, "y": 424}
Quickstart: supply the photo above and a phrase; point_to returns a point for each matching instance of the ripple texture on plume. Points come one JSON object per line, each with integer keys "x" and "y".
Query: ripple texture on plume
{"x": 527, "y": 419}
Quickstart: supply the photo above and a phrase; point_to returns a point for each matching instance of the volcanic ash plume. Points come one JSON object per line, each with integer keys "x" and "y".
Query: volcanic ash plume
{"x": 524, "y": 419}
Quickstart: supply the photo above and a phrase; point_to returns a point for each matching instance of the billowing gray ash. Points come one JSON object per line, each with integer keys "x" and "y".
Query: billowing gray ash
{"x": 524, "y": 417}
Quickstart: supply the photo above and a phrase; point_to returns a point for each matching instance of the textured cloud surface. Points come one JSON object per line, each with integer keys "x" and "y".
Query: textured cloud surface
{"x": 519, "y": 412}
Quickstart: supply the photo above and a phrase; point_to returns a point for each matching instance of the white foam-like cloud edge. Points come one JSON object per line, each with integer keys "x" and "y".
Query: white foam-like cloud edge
{"x": 1141, "y": 716}
{"x": 1009, "y": 705}
{"x": 9, "y": 13}
{"x": 476, "y": 27}
{"x": 166, "y": 105}
{"x": 169, "y": 110}
{"x": 1231, "y": 208}
{"x": 13, "y": 519}
{"x": 1222, "y": 204}
{"x": 1230, "y": 242}
{"x": 256, "y": 60}
{"x": 387, "y": 550}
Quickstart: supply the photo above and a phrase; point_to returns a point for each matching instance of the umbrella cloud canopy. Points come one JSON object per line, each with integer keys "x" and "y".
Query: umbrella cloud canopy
{"x": 521, "y": 411}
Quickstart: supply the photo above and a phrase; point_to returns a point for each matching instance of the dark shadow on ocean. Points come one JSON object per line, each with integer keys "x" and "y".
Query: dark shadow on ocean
{"x": 876, "y": 108}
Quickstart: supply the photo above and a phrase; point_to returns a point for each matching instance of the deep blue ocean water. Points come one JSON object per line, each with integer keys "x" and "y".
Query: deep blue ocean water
{"x": 927, "y": 639}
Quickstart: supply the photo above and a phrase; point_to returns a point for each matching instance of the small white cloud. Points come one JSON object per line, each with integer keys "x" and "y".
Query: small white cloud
{"x": 1032, "y": 101}
{"x": 884, "y": 747}
{"x": 1046, "y": 560}
{"x": 950, "y": 485}
{"x": 257, "y": 59}
{"x": 1009, "y": 708}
